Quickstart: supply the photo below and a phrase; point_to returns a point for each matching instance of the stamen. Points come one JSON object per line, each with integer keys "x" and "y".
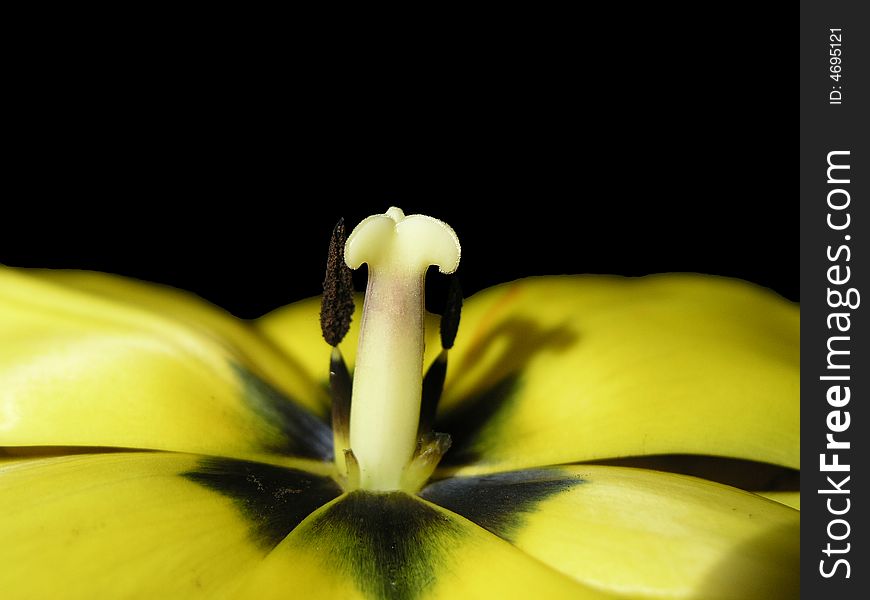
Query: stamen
{"x": 430, "y": 449}
{"x": 351, "y": 477}
{"x": 336, "y": 306}
{"x": 433, "y": 382}
{"x": 336, "y": 312}
{"x": 433, "y": 385}
{"x": 340, "y": 389}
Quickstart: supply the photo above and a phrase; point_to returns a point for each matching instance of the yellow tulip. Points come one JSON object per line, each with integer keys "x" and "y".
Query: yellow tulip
{"x": 153, "y": 446}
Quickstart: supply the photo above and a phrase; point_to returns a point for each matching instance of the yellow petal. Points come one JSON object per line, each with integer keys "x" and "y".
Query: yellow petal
{"x": 283, "y": 368}
{"x": 395, "y": 546}
{"x": 144, "y": 525}
{"x": 638, "y": 532}
{"x": 84, "y": 369}
{"x": 295, "y": 330}
{"x": 565, "y": 369}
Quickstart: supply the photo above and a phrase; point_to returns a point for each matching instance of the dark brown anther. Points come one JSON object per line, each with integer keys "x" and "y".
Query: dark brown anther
{"x": 336, "y": 306}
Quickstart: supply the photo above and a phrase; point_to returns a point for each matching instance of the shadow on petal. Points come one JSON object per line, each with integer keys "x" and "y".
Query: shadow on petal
{"x": 739, "y": 473}
{"x": 515, "y": 343}
{"x": 747, "y": 571}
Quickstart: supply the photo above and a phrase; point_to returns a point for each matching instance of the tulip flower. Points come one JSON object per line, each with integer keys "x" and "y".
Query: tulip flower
{"x": 564, "y": 437}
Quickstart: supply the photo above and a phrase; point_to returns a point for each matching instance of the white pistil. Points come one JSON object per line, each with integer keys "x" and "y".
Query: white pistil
{"x": 387, "y": 380}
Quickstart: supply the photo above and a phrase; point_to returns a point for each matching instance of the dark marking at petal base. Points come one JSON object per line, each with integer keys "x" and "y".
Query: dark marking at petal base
{"x": 305, "y": 434}
{"x": 391, "y": 544}
{"x": 467, "y": 422}
{"x": 274, "y": 499}
{"x": 474, "y": 422}
{"x": 499, "y": 502}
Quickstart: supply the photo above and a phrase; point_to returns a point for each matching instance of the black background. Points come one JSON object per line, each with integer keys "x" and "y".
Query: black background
{"x": 220, "y": 163}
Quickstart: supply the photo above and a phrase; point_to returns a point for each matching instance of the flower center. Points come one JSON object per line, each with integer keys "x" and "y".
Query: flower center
{"x": 388, "y": 447}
